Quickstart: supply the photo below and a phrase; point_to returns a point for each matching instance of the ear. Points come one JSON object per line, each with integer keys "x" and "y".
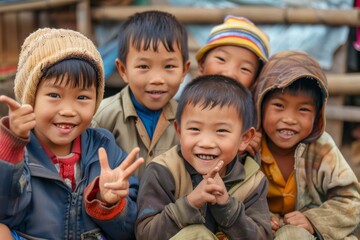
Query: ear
{"x": 177, "y": 129}
{"x": 246, "y": 139}
{"x": 186, "y": 69}
{"x": 201, "y": 67}
{"x": 121, "y": 70}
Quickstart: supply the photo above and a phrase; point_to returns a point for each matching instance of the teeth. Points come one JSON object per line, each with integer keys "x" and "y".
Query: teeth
{"x": 64, "y": 126}
{"x": 287, "y": 132}
{"x": 206, "y": 157}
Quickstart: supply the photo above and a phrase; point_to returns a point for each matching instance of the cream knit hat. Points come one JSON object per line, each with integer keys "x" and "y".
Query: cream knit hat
{"x": 47, "y": 46}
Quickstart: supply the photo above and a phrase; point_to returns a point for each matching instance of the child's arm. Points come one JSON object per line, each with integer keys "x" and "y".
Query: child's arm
{"x": 245, "y": 220}
{"x": 110, "y": 198}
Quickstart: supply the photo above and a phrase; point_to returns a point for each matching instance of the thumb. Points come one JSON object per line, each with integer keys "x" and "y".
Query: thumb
{"x": 103, "y": 159}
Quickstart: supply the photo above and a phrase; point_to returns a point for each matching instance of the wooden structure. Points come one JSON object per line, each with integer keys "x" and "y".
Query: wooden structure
{"x": 18, "y": 20}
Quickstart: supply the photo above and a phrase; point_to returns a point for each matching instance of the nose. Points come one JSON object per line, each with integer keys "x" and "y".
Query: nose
{"x": 157, "y": 79}
{"x": 67, "y": 109}
{"x": 207, "y": 142}
{"x": 230, "y": 72}
{"x": 289, "y": 120}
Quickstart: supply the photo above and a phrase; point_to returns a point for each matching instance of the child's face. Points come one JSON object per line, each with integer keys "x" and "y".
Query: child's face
{"x": 288, "y": 119}
{"x": 210, "y": 135}
{"x": 235, "y": 62}
{"x": 62, "y": 114}
{"x": 154, "y": 77}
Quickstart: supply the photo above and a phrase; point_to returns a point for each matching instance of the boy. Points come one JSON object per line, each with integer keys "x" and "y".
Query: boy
{"x": 57, "y": 182}
{"x": 313, "y": 193}
{"x": 202, "y": 189}
{"x": 237, "y": 49}
{"x": 153, "y": 60}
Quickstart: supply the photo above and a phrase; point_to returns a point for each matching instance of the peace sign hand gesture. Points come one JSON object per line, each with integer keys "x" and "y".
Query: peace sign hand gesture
{"x": 114, "y": 183}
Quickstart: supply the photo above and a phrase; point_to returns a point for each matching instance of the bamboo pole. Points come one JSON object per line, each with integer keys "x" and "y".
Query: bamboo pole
{"x": 343, "y": 113}
{"x": 258, "y": 14}
{"x": 33, "y": 5}
{"x": 343, "y": 84}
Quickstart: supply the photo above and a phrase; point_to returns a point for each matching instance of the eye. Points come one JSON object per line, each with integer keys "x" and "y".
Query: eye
{"x": 82, "y": 97}
{"x": 305, "y": 109}
{"x": 143, "y": 66}
{"x": 278, "y": 105}
{"x": 169, "y": 66}
{"x": 193, "y": 129}
{"x": 223, "y": 131}
{"x": 220, "y": 59}
{"x": 246, "y": 70}
{"x": 54, "y": 95}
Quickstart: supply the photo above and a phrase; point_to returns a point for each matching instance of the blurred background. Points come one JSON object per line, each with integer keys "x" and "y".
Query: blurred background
{"x": 327, "y": 29}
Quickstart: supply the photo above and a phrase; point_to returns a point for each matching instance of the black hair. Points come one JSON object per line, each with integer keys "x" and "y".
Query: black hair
{"x": 149, "y": 28}
{"x": 76, "y": 72}
{"x": 218, "y": 90}
{"x": 307, "y": 85}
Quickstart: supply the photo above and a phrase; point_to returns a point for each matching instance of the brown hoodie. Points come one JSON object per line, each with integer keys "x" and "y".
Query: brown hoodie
{"x": 285, "y": 68}
{"x": 328, "y": 192}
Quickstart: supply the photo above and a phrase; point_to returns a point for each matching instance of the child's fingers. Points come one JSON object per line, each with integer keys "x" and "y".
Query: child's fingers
{"x": 215, "y": 170}
{"x": 129, "y": 159}
{"x": 12, "y": 104}
{"x": 103, "y": 159}
{"x": 130, "y": 170}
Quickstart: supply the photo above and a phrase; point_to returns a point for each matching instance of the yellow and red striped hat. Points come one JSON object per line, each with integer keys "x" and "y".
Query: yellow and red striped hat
{"x": 237, "y": 31}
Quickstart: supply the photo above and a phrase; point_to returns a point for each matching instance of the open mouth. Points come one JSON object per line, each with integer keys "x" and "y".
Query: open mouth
{"x": 287, "y": 133}
{"x": 65, "y": 126}
{"x": 206, "y": 157}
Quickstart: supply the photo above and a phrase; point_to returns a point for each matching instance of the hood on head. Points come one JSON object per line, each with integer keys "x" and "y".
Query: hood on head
{"x": 282, "y": 70}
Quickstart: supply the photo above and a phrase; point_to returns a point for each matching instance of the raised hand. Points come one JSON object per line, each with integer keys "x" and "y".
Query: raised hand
{"x": 214, "y": 177}
{"x": 255, "y": 144}
{"x": 114, "y": 183}
{"x": 208, "y": 189}
{"x": 21, "y": 117}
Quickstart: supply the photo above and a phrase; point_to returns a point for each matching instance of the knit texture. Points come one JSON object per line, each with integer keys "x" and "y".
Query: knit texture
{"x": 47, "y": 46}
{"x": 237, "y": 31}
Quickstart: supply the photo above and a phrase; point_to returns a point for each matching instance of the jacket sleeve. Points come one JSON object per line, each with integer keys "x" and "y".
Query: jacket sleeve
{"x": 161, "y": 216}
{"x": 245, "y": 220}
{"x": 335, "y": 188}
{"x": 15, "y": 192}
{"x": 118, "y": 221}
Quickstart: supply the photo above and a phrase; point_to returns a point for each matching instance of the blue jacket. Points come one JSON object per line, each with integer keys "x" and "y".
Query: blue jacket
{"x": 34, "y": 199}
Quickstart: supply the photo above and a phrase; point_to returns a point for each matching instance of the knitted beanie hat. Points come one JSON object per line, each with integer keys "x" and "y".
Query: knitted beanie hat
{"x": 237, "y": 31}
{"x": 47, "y": 46}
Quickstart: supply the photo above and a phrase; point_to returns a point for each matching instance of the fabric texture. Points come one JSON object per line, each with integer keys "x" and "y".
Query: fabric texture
{"x": 237, "y": 31}
{"x": 47, "y": 46}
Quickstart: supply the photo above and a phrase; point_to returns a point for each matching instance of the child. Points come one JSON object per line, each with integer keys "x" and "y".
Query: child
{"x": 153, "y": 60}
{"x": 202, "y": 189}
{"x": 237, "y": 49}
{"x": 313, "y": 193}
{"x": 57, "y": 182}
